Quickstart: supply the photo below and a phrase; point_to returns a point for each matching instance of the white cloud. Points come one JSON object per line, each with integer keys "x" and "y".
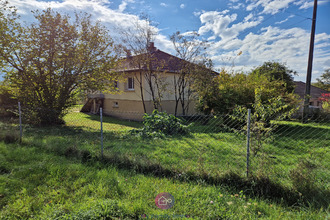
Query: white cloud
{"x": 304, "y": 4}
{"x": 269, "y": 6}
{"x": 224, "y": 12}
{"x": 274, "y": 44}
{"x": 182, "y": 6}
{"x": 211, "y": 38}
{"x": 188, "y": 33}
{"x": 124, "y": 4}
{"x": 99, "y": 9}
{"x": 253, "y": 5}
{"x": 236, "y": 7}
{"x": 247, "y": 18}
{"x": 274, "y": 6}
{"x": 197, "y": 13}
{"x": 218, "y": 23}
{"x": 163, "y": 4}
{"x": 271, "y": 43}
{"x": 163, "y": 43}
{"x": 285, "y": 20}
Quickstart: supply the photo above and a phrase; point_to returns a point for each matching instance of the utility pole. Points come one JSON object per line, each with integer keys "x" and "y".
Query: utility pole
{"x": 309, "y": 67}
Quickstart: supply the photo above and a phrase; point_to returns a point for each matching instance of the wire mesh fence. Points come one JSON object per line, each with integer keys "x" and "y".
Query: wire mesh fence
{"x": 289, "y": 153}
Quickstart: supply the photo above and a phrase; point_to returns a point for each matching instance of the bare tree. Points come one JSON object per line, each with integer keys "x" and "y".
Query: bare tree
{"x": 137, "y": 42}
{"x": 191, "y": 51}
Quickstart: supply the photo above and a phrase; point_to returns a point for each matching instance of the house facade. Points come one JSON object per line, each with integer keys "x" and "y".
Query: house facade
{"x": 150, "y": 82}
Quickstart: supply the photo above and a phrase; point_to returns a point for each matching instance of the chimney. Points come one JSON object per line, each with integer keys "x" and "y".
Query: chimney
{"x": 151, "y": 47}
{"x": 128, "y": 53}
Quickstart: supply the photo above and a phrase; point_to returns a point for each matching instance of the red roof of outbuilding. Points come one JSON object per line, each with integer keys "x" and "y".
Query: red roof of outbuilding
{"x": 315, "y": 91}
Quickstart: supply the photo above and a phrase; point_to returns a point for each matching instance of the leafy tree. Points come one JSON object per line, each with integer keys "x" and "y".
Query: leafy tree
{"x": 221, "y": 93}
{"x": 324, "y": 81}
{"x": 275, "y": 71}
{"x": 227, "y": 91}
{"x": 48, "y": 61}
{"x": 263, "y": 111}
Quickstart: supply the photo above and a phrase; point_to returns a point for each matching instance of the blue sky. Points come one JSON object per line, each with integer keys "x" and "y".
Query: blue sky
{"x": 264, "y": 30}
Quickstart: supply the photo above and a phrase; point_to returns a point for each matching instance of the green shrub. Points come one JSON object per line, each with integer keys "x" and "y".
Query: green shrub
{"x": 160, "y": 124}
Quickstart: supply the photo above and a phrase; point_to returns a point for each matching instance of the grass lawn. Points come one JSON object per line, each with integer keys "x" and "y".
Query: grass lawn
{"x": 57, "y": 173}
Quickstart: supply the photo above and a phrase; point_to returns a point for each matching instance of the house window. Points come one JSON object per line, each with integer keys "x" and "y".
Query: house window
{"x": 115, "y": 84}
{"x": 311, "y": 103}
{"x": 115, "y": 104}
{"x": 130, "y": 83}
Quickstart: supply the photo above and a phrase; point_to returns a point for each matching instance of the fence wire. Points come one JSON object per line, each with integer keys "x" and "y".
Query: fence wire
{"x": 288, "y": 152}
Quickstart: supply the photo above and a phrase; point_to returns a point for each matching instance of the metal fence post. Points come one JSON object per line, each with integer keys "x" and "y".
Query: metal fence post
{"x": 101, "y": 118}
{"x": 20, "y": 122}
{"x": 248, "y": 142}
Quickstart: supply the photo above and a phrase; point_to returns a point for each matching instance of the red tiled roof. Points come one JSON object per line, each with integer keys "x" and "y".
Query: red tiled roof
{"x": 160, "y": 61}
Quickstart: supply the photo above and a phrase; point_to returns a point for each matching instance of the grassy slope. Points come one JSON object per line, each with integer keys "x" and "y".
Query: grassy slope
{"x": 37, "y": 181}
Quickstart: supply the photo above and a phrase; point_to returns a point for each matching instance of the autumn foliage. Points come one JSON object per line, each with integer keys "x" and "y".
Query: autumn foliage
{"x": 51, "y": 60}
{"x": 325, "y": 99}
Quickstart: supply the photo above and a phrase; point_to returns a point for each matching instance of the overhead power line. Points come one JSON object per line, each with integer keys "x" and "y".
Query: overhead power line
{"x": 294, "y": 24}
{"x": 290, "y": 12}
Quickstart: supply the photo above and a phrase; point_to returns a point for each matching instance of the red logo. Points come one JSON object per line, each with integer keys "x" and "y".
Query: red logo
{"x": 164, "y": 200}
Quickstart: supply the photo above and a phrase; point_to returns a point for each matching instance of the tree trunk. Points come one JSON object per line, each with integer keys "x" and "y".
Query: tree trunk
{"x": 141, "y": 90}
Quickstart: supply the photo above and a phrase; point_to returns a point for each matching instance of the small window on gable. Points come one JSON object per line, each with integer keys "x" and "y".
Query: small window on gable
{"x": 130, "y": 83}
{"x": 115, "y": 104}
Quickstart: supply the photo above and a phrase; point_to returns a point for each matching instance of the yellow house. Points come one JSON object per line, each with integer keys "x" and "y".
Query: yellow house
{"x": 152, "y": 80}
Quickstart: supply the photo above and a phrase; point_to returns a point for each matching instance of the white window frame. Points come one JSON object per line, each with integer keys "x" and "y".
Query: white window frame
{"x": 132, "y": 84}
